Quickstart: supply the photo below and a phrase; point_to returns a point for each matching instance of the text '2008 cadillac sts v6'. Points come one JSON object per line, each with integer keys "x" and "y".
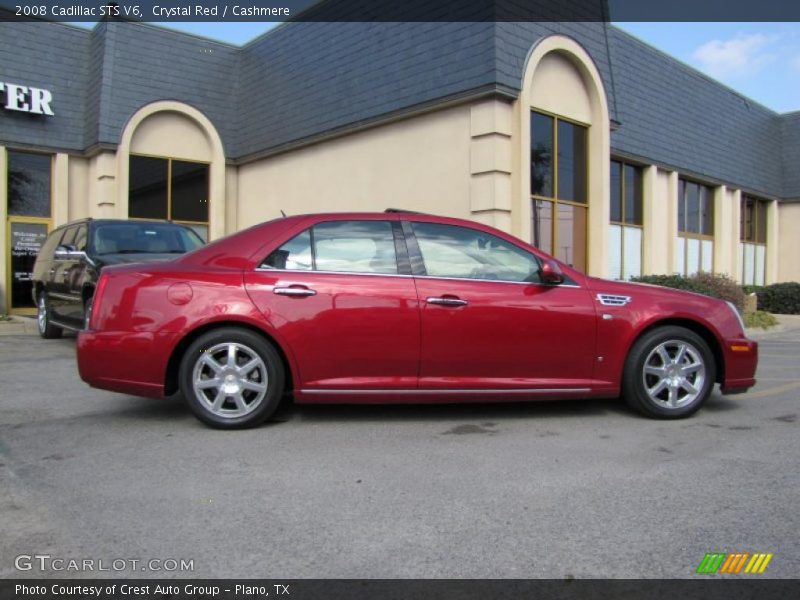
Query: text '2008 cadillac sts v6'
{"x": 400, "y": 307}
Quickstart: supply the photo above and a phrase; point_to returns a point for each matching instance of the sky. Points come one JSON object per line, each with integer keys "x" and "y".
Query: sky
{"x": 759, "y": 60}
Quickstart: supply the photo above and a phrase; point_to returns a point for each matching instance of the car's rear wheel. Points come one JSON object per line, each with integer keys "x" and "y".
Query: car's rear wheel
{"x": 669, "y": 373}
{"x": 46, "y": 328}
{"x": 232, "y": 378}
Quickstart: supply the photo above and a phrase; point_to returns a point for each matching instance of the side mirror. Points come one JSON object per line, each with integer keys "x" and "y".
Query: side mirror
{"x": 551, "y": 273}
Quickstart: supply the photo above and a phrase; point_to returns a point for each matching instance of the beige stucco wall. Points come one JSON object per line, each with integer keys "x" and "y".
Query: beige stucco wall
{"x": 418, "y": 164}
{"x": 788, "y": 242}
{"x": 171, "y": 134}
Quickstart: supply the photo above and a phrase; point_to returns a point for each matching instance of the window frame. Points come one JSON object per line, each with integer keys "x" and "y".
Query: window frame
{"x": 685, "y": 236}
{"x": 555, "y": 201}
{"x": 400, "y": 250}
{"x": 169, "y": 219}
{"x": 622, "y": 210}
{"x": 423, "y": 269}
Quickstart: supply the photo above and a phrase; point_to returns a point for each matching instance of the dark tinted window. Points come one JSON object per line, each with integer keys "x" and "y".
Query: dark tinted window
{"x": 616, "y": 191}
{"x": 571, "y": 162}
{"x": 633, "y": 195}
{"x": 541, "y": 155}
{"x": 355, "y": 246}
{"x": 29, "y": 184}
{"x": 49, "y": 247}
{"x": 133, "y": 237}
{"x": 147, "y": 188}
{"x": 451, "y": 251}
{"x": 189, "y": 191}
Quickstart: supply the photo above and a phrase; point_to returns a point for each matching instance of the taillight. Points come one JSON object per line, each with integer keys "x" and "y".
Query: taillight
{"x": 97, "y": 301}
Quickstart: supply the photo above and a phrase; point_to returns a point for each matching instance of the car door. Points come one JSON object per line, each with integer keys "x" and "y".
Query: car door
{"x": 74, "y": 274}
{"x": 58, "y": 290}
{"x": 487, "y": 321}
{"x": 340, "y": 296}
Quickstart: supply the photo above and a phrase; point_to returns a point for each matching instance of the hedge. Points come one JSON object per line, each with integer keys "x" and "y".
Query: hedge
{"x": 716, "y": 286}
{"x": 780, "y": 298}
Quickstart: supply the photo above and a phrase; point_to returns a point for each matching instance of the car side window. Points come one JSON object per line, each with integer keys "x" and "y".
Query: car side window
{"x": 294, "y": 255}
{"x": 339, "y": 247}
{"x": 452, "y": 251}
{"x": 69, "y": 236}
{"x": 80, "y": 239}
{"x": 355, "y": 247}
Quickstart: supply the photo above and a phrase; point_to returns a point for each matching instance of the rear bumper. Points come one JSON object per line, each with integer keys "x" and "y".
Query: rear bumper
{"x": 125, "y": 362}
{"x": 741, "y": 362}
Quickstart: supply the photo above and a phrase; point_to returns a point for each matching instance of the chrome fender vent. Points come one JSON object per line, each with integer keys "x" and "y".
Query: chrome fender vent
{"x": 613, "y": 300}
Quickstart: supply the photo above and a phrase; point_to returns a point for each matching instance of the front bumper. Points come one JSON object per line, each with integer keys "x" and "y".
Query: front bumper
{"x": 741, "y": 362}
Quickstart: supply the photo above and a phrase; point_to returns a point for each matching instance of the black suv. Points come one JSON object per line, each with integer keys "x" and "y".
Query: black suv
{"x": 69, "y": 263}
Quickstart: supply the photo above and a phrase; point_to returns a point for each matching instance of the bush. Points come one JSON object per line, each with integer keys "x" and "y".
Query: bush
{"x": 780, "y": 298}
{"x": 716, "y": 286}
{"x": 760, "y": 319}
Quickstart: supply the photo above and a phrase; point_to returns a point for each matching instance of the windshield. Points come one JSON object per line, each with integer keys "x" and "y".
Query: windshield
{"x": 134, "y": 237}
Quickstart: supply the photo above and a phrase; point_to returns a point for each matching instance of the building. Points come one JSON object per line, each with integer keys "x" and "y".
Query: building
{"x": 578, "y": 137}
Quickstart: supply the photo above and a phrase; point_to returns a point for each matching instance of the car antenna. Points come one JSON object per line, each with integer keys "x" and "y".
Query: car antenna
{"x": 283, "y": 213}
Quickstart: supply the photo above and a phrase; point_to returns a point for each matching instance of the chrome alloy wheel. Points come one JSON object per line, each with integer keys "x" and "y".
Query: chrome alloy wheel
{"x": 230, "y": 380}
{"x": 674, "y": 374}
{"x": 41, "y": 314}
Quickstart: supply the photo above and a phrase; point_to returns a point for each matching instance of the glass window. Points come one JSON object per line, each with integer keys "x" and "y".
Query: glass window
{"x": 559, "y": 172}
{"x": 147, "y": 188}
{"x": 543, "y": 225}
{"x": 189, "y": 191}
{"x": 132, "y": 237}
{"x": 355, "y": 247}
{"x": 80, "y": 239}
{"x": 571, "y": 235}
{"x": 695, "y": 228}
{"x": 616, "y": 192}
{"x": 541, "y": 155}
{"x": 753, "y": 236}
{"x": 633, "y": 195}
{"x": 761, "y": 222}
{"x": 69, "y": 236}
{"x": 451, "y": 251}
{"x": 571, "y": 182}
{"x": 29, "y": 178}
{"x": 294, "y": 255}
{"x": 627, "y": 213}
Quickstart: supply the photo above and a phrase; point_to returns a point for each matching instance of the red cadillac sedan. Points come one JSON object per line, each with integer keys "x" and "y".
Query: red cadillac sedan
{"x": 400, "y": 307}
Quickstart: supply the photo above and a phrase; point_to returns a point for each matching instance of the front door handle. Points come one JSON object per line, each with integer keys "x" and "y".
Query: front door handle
{"x": 446, "y": 301}
{"x": 296, "y": 291}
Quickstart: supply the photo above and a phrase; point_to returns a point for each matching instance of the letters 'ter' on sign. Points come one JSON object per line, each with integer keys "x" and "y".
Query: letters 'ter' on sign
{"x": 27, "y": 99}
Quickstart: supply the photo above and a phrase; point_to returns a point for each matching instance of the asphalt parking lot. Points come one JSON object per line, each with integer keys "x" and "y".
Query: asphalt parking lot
{"x": 570, "y": 489}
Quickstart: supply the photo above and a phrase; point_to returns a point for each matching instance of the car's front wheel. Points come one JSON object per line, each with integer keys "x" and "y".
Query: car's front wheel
{"x": 232, "y": 378}
{"x": 46, "y": 328}
{"x": 669, "y": 373}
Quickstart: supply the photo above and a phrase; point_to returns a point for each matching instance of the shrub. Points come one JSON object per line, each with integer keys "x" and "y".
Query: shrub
{"x": 717, "y": 286}
{"x": 760, "y": 319}
{"x": 780, "y": 298}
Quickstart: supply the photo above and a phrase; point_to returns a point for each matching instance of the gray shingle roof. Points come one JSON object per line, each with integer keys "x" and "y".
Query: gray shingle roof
{"x": 302, "y": 80}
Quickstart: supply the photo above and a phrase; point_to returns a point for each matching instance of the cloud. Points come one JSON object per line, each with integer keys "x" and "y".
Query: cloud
{"x": 739, "y": 56}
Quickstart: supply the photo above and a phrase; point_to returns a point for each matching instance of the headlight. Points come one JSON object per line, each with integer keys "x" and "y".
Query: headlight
{"x": 736, "y": 312}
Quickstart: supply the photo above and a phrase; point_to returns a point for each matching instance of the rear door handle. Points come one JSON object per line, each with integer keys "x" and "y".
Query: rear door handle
{"x": 296, "y": 291}
{"x": 446, "y": 301}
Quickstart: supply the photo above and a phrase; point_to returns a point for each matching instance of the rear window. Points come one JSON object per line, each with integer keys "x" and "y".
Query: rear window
{"x": 143, "y": 238}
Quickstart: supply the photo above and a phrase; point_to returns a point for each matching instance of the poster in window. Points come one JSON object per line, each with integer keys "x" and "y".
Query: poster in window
{"x": 26, "y": 240}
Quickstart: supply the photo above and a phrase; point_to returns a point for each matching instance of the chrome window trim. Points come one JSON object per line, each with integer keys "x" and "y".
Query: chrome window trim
{"x": 449, "y": 391}
{"x": 274, "y": 270}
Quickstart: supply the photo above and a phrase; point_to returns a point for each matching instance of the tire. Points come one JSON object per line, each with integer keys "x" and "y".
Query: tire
{"x": 218, "y": 391}
{"x": 46, "y": 328}
{"x": 669, "y": 373}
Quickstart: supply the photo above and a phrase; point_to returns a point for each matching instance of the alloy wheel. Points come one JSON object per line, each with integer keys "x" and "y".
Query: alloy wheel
{"x": 674, "y": 374}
